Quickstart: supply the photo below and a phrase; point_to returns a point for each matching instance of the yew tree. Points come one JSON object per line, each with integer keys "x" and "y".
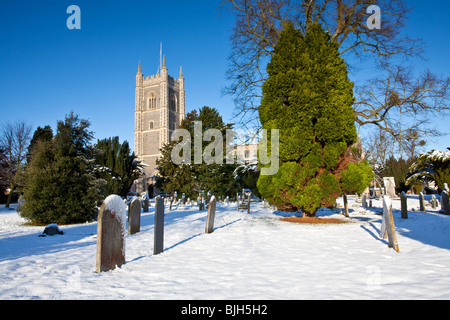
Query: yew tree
{"x": 308, "y": 97}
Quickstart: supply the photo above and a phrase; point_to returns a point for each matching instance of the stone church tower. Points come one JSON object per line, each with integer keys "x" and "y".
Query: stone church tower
{"x": 160, "y": 108}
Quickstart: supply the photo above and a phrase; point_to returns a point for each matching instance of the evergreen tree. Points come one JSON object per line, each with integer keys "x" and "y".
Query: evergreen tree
{"x": 45, "y": 133}
{"x": 60, "y": 183}
{"x": 117, "y": 166}
{"x": 191, "y": 178}
{"x": 308, "y": 97}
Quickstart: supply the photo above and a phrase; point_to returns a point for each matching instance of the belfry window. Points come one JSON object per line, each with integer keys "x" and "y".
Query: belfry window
{"x": 173, "y": 103}
{"x": 152, "y": 101}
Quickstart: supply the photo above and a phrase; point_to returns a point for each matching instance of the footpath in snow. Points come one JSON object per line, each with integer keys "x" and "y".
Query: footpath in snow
{"x": 254, "y": 256}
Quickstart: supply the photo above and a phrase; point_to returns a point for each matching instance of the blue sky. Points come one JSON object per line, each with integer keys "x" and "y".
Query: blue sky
{"x": 47, "y": 70}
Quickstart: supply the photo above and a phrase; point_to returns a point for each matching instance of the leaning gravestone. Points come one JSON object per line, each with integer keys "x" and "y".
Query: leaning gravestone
{"x": 158, "y": 242}
{"x": 445, "y": 205}
{"x": 134, "y": 216}
{"x": 404, "y": 205}
{"x": 211, "y": 215}
{"x": 389, "y": 185}
{"x": 422, "y": 202}
{"x": 387, "y": 226}
{"x": 111, "y": 230}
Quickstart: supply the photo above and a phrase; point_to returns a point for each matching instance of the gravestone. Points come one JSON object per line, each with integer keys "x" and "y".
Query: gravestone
{"x": 145, "y": 202}
{"x": 433, "y": 202}
{"x": 387, "y": 226}
{"x": 404, "y": 205}
{"x": 364, "y": 200}
{"x": 445, "y": 205}
{"x": 183, "y": 199}
{"x": 421, "y": 202}
{"x": 111, "y": 230}
{"x": 346, "y": 206}
{"x": 134, "y": 216}
{"x": 389, "y": 186}
{"x": 446, "y": 189}
{"x": 211, "y": 215}
{"x": 158, "y": 243}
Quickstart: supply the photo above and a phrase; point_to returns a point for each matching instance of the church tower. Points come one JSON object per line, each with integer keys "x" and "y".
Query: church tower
{"x": 159, "y": 110}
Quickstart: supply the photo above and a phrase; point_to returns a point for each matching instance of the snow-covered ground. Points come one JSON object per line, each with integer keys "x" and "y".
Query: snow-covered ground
{"x": 254, "y": 256}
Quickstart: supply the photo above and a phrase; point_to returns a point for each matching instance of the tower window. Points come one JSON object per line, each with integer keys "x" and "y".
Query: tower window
{"x": 173, "y": 103}
{"x": 151, "y": 125}
{"x": 152, "y": 101}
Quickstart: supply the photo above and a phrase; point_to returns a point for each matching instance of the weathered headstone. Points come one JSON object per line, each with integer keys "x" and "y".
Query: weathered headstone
{"x": 445, "y": 205}
{"x": 111, "y": 230}
{"x": 387, "y": 226}
{"x": 345, "y": 206}
{"x": 404, "y": 205}
{"x": 158, "y": 243}
{"x": 421, "y": 202}
{"x": 364, "y": 200}
{"x": 433, "y": 202}
{"x": 145, "y": 202}
{"x": 446, "y": 188}
{"x": 389, "y": 185}
{"x": 211, "y": 215}
{"x": 134, "y": 216}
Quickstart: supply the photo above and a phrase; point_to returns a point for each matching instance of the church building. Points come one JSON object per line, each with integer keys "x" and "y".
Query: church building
{"x": 159, "y": 110}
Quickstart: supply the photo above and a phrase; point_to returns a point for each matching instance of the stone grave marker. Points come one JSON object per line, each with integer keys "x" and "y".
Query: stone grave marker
{"x": 145, "y": 203}
{"x": 404, "y": 205}
{"x": 364, "y": 200}
{"x": 445, "y": 205}
{"x": 422, "y": 202}
{"x": 111, "y": 231}
{"x": 433, "y": 202}
{"x": 389, "y": 185}
{"x": 387, "y": 226}
{"x": 345, "y": 206}
{"x": 158, "y": 243}
{"x": 134, "y": 216}
{"x": 211, "y": 215}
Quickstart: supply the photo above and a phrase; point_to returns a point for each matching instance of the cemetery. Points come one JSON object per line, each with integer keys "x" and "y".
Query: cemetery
{"x": 321, "y": 178}
{"x": 223, "y": 252}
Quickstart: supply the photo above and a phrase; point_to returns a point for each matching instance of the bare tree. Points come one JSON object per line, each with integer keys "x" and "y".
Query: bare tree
{"x": 14, "y": 140}
{"x": 256, "y": 33}
{"x": 401, "y": 104}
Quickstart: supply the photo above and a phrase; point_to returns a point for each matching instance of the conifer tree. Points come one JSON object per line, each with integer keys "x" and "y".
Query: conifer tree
{"x": 60, "y": 185}
{"x": 308, "y": 97}
{"x": 117, "y": 165}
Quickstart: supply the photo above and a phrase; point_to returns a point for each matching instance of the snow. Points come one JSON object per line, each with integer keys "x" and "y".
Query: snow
{"x": 115, "y": 204}
{"x": 254, "y": 256}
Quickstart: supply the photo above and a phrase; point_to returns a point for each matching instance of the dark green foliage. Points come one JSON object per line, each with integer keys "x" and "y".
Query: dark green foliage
{"x": 191, "y": 178}
{"x": 60, "y": 184}
{"x": 45, "y": 134}
{"x": 117, "y": 166}
{"x": 308, "y": 97}
{"x": 397, "y": 168}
